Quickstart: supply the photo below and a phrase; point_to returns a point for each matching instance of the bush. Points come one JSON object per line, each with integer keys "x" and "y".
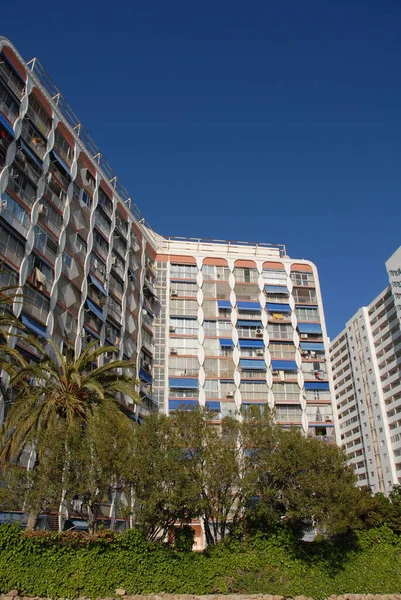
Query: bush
{"x": 72, "y": 565}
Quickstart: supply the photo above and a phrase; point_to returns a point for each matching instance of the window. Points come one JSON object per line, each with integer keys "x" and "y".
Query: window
{"x": 302, "y": 279}
{"x": 279, "y": 331}
{"x": 9, "y": 244}
{"x": 212, "y": 388}
{"x": 304, "y": 296}
{"x": 8, "y": 102}
{"x": 184, "y": 307}
{"x": 36, "y": 110}
{"x": 184, "y": 326}
{"x": 307, "y": 314}
{"x": 44, "y": 242}
{"x": 183, "y": 271}
{"x": 183, "y": 288}
{"x": 285, "y": 391}
{"x": 86, "y": 199}
{"x": 208, "y": 272}
{"x": 67, "y": 260}
{"x": 288, "y": 413}
{"x": 102, "y": 222}
{"x": 283, "y": 351}
{"x": 62, "y": 146}
{"x": 11, "y": 210}
{"x": 274, "y": 277}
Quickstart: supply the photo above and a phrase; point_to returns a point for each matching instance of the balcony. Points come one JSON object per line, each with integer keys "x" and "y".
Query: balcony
{"x": 15, "y": 223}
{"x": 65, "y": 152}
{"x": 102, "y": 225}
{"x": 58, "y": 201}
{"x": 10, "y": 116}
{"x": 43, "y": 126}
{"x": 60, "y": 178}
{"x": 14, "y": 258}
{"x": 37, "y": 312}
{"x": 22, "y": 194}
{"x": 32, "y": 173}
{"x": 256, "y": 334}
{"x": 114, "y": 313}
{"x": 147, "y": 320}
{"x": 36, "y": 143}
{"x": 45, "y": 251}
{"x": 148, "y": 346}
{"x": 12, "y": 81}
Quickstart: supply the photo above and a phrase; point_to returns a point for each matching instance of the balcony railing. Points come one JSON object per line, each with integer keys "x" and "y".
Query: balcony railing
{"x": 58, "y": 201}
{"x": 36, "y": 312}
{"x": 250, "y": 333}
{"x": 36, "y": 143}
{"x": 14, "y": 222}
{"x": 42, "y": 126}
{"x": 7, "y": 78}
{"x": 47, "y": 253}
{"x": 14, "y": 258}
{"x": 7, "y": 112}
{"x": 148, "y": 345}
{"x": 18, "y": 191}
{"x": 65, "y": 155}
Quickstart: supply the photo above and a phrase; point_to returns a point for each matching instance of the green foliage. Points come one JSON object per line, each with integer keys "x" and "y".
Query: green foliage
{"x": 72, "y": 565}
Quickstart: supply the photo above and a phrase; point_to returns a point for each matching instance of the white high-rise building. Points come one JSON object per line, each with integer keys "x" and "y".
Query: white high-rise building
{"x": 365, "y": 360}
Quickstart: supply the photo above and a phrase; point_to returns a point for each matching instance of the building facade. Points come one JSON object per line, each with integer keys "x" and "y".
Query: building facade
{"x": 365, "y": 359}
{"x": 220, "y": 324}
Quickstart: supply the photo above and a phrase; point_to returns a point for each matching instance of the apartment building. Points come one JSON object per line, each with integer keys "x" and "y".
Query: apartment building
{"x": 209, "y": 322}
{"x": 70, "y": 234}
{"x": 365, "y": 359}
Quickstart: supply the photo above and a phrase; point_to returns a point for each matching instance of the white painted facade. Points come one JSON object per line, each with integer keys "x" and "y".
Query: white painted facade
{"x": 365, "y": 360}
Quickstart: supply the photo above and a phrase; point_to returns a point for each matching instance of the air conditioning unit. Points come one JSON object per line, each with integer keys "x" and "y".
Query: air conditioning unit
{"x": 327, "y": 418}
{"x": 41, "y": 210}
{"x": 95, "y": 263}
{"x": 260, "y": 352}
{"x": 113, "y": 260}
{"x": 174, "y": 293}
{"x": 319, "y": 374}
{"x": 303, "y": 336}
{"x": 171, "y": 329}
{"x": 173, "y": 351}
{"x": 313, "y": 353}
{"x": 230, "y": 395}
{"x": 259, "y": 333}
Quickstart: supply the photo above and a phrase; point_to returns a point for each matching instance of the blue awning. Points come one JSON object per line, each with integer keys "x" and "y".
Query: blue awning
{"x": 312, "y": 346}
{"x": 97, "y": 284}
{"x": 249, "y": 323}
{"x": 308, "y": 307}
{"x": 184, "y": 404}
{"x": 250, "y": 306}
{"x": 61, "y": 162}
{"x": 31, "y": 153}
{"x": 34, "y": 326}
{"x": 276, "y": 289}
{"x": 284, "y": 365}
{"x": 93, "y": 333}
{"x": 257, "y": 381}
{"x": 225, "y": 304}
{"x": 251, "y": 344}
{"x": 7, "y": 126}
{"x": 95, "y": 310}
{"x": 276, "y": 307}
{"x": 257, "y": 365}
{"x": 213, "y": 405}
{"x": 81, "y": 525}
{"x": 317, "y": 385}
{"x": 144, "y": 375}
{"x": 226, "y": 343}
{"x": 309, "y": 328}
{"x": 10, "y": 64}
{"x": 186, "y": 383}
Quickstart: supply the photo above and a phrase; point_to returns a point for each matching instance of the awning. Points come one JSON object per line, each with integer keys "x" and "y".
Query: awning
{"x": 144, "y": 375}
{"x": 34, "y": 326}
{"x": 10, "y": 64}
{"x": 31, "y": 153}
{"x": 276, "y": 307}
{"x": 249, "y": 323}
{"x": 7, "y": 126}
{"x": 257, "y": 381}
{"x": 308, "y": 307}
{"x": 61, "y": 162}
{"x": 248, "y": 306}
{"x": 213, "y": 405}
{"x": 185, "y": 383}
{"x": 97, "y": 284}
{"x": 317, "y": 385}
{"x": 93, "y": 333}
{"x": 284, "y": 365}
{"x": 224, "y": 304}
{"x": 309, "y": 328}
{"x": 276, "y": 289}
{"x": 184, "y": 404}
{"x": 95, "y": 310}
{"x": 226, "y": 343}
{"x": 312, "y": 346}
{"x": 251, "y": 344}
{"x": 257, "y": 365}
{"x": 81, "y": 525}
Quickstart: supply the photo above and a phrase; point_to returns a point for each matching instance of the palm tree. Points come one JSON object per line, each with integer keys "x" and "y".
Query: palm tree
{"x": 61, "y": 388}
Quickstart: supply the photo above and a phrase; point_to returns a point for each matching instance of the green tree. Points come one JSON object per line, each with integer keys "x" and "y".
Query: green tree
{"x": 295, "y": 479}
{"x": 60, "y": 389}
{"x": 164, "y": 489}
{"x": 214, "y": 462}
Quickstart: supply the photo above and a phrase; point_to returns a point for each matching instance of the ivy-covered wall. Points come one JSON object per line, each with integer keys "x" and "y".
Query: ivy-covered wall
{"x": 72, "y": 565}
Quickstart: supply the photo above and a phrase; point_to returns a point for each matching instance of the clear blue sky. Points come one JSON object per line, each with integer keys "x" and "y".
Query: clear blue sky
{"x": 253, "y": 119}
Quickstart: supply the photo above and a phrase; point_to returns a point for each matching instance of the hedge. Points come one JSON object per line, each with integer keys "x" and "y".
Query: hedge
{"x": 72, "y": 565}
